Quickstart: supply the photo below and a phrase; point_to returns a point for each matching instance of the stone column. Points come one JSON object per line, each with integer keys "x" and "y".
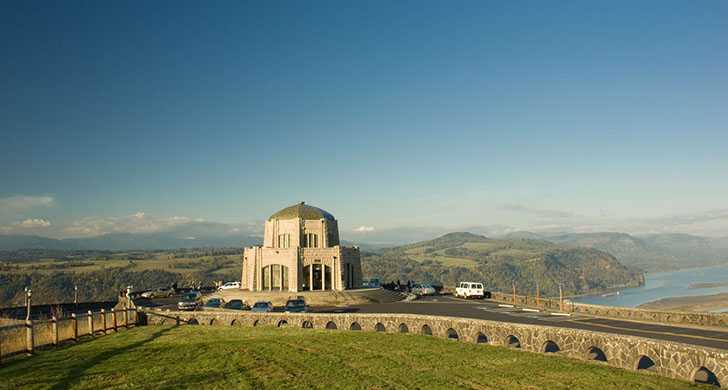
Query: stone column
{"x": 29, "y": 345}
{"x": 323, "y": 277}
{"x": 54, "y": 329}
{"x": 90, "y": 317}
{"x": 281, "y": 278}
{"x": 310, "y": 277}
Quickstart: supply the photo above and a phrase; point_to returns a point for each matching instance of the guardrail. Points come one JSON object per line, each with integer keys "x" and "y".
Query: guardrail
{"x": 718, "y": 320}
{"x": 32, "y": 334}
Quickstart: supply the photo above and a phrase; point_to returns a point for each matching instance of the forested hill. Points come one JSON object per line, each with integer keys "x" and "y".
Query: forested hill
{"x": 458, "y": 257}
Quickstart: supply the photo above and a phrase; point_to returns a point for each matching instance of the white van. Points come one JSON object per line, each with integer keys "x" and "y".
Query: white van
{"x": 469, "y": 290}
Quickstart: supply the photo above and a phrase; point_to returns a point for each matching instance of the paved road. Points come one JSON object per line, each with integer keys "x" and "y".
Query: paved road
{"x": 487, "y": 310}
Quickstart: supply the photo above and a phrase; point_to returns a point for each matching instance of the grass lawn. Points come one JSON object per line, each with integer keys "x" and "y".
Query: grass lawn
{"x": 242, "y": 358}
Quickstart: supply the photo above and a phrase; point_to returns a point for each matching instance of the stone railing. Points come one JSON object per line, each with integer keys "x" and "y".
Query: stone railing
{"x": 671, "y": 359}
{"x": 666, "y": 317}
{"x": 29, "y": 335}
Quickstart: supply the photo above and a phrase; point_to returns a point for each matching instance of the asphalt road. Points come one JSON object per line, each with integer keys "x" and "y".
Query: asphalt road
{"x": 488, "y": 310}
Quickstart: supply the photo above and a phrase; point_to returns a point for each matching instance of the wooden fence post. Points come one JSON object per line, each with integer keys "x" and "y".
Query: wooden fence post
{"x": 29, "y": 336}
{"x": 54, "y": 329}
{"x": 103, "y": 317}
{"x": 90, "y": 323}
{"x": 113, "y": 319}
{"x": 75, "y": 326}
{"x": 126, "y": 318}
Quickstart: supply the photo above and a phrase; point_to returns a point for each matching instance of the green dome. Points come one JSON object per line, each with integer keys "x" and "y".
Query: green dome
{"x": 303, "y": 211}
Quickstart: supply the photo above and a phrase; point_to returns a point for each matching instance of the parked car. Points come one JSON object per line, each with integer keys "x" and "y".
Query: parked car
{"x": 262, "y": 307}
{"x": 213, "y": 303}
{"x": 297, "y": 305}
{"x": 423, "y": 289}
{"x": 163, "y": 292}
{"x": 236, "y": 304}
{"x": 189, "y": 302}
{"x": 230, "y": 286}
{"x": 469, "y": 290}
{"x": 371, "y": 283}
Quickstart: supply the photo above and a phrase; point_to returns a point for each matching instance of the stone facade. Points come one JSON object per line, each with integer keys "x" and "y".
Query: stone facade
{"x": 671, "y": 359}
{"x": 301, "y": 252}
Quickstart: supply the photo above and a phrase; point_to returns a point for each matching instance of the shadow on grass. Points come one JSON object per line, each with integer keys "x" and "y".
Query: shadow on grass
{"x": 76, "y": 374}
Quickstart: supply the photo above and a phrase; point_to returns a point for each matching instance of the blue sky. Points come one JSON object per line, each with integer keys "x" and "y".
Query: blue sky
{"x": 569, "y": 115}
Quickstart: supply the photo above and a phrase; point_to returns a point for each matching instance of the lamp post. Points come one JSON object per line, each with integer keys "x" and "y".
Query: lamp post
{"x": 28, "y": 294}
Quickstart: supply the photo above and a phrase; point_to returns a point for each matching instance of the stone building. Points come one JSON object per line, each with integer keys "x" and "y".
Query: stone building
{"x": 301, "y": 252}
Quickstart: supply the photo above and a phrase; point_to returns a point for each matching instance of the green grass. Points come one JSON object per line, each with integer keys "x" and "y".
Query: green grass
{"x": 242, "y": 358}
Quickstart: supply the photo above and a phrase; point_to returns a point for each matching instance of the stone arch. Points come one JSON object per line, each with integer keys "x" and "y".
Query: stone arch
{"x": 550, "y": 347}
{"x": 379, "y": 327}
{"x": 234, "y": 323}
{"x": 480, "y": 338}
{"x": 355, "y": 326}
{"x": 256, "y": 322}
{"x": 331, "y": 325}
{"x": 403, "y": 328}
{"x": 307, "y": 325}
{"x": 452, "y": 334}
{"x": 193, "y": 321}
{"x": 426, "y": 330}
{"x": 596, "y": 353}
{"x": 282, "y": 323}
{"x": 212, "y": 321}
{"x": 644, "y": 362}
{"x": 513, "y": 342}
{"x": 704, "y": 376}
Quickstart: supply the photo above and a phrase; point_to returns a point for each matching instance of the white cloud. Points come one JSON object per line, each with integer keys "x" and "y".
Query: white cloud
{"x": 24, "y": 202}
{"x": 32, "y": 223}
{"x": 364, "y": 229}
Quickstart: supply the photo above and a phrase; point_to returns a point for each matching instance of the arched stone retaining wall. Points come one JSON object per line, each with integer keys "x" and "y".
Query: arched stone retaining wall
{"x": 671, "y": 359}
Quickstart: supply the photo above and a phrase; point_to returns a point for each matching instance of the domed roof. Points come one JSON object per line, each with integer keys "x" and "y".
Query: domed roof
{"x": 303, "y": 211}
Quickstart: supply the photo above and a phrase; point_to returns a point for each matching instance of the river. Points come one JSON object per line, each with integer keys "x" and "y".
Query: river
{"x": 660, "y": 285}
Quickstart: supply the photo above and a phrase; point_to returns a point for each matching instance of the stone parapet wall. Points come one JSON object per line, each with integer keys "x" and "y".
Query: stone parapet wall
{"x": 670, "y": 359}
{"x": 667, "y": 317}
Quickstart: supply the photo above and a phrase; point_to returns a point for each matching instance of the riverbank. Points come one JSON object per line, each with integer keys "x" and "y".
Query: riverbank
{"x": 699, "y": 303}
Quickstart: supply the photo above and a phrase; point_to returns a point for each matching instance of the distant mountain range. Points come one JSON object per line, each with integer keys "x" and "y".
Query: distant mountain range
{"x": 191, "y": 235}
{"x": 655, "y": 252}
{"x": 647, "y": 252}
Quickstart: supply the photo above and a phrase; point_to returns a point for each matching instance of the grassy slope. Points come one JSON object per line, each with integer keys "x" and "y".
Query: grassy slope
{"x": 232, "y": 357}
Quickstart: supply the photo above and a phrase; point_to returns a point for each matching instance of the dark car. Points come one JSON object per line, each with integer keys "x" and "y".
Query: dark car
{"x": 236, "y": 304}
{"x": 213, "y": 303}
{"x": 296, "y": 306}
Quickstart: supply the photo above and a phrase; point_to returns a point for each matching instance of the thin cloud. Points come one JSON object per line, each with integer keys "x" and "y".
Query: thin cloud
{"x": 542, "y": 213}
{"x": 364, "y": 229}
{"x": 138, "y": 222}
{"x": 25, "y": 202}
{"x": 33, "y": 223}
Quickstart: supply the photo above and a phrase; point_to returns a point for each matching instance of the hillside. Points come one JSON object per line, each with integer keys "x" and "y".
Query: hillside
{"x": 651, "y": 253}
{"x": 464, "y": 256}
{"x": 99, "y": 275}
{"x": 153, "y": 357}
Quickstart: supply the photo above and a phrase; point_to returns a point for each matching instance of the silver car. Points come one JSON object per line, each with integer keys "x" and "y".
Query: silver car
{"x": 262, "y": 307}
